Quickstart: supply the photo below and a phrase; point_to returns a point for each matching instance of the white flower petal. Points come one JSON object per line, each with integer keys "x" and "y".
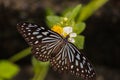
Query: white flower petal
{"x": 73, "y": 34}
{"x": 67, "y": 29}
{"x": 71, "y": 40}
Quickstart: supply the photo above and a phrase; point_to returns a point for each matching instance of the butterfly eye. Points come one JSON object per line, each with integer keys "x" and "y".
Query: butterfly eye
{"x": 64, "y": 56}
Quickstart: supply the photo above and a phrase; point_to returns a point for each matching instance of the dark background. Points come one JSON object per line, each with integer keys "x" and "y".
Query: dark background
{"x": 102, "y": 34}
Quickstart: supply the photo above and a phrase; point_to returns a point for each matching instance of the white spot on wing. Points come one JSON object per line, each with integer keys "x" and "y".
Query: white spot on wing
{"x": 82, "y": 71}
{"x": 29, "y": 33}
{"x": 30, "y": 25}
{"x": 38, "y": 29}
{"x": 35, "y": 33}
{"x": 63, "y": 63}
{"x": 83, "y": 62}
{"x": 76, "y": 62}
{"x": 84, "y": 58}
{"x": 81, "y": 65}
{"x": 85, "y": 70}
{"x": 78, "y": 56}
{"x": 42, "y": 28}
{"x": 27, "y": 28}
{"x": 36, "y": 52}
{"x": 44, "y": 33}
{"x": 32, "y": 37}
{"x": 22, "y": 26}
{"x": 24, "y": 23}
{"x": 88, "y": 71}
{"x": 71, "y": 66}
{"x": 35, "y": 25}
{"x": 39, "y": 36}
{"x": 77, "y": 69}
{"x": 36, "y": 42}
{"x": 89, "y": 66}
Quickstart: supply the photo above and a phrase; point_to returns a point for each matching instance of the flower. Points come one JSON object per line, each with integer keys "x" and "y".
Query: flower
{"x": 73, "y": 34}
{"x": 68, "y": 30}
{"x": 57, "y": 29}
{"x": 65, "y": 19}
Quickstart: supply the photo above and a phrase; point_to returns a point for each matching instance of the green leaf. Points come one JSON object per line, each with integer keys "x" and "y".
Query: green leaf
{"x": 40, "y": 69}
{"x": 90, "y": 8}
{"x": 74, "y": 13}
{"x": 79, "y": 41}
{"x": 67, "y": 12}
{"x": 78, "y": 28}
{"x": 8, "y": 69}
{"x": 1, "y": 78}
{"x": 53, "y": 20}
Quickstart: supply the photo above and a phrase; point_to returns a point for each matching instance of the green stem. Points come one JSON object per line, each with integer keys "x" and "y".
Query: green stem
{"x": 40, "y": 69}
{"x": 42, "y": 74}
{"x": 90, "y": 8}
{"x": 20, "y": 55}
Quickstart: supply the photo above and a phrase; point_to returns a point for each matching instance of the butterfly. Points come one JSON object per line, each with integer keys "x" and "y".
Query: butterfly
{"x": 63, "y": 55}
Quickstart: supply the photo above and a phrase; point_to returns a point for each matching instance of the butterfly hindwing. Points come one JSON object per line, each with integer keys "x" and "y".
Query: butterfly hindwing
{"x": 43, "y": 51}
{"x": 70, "y": 59}
{"x": 80, "y": 65}
{"x": 40, "y": 52}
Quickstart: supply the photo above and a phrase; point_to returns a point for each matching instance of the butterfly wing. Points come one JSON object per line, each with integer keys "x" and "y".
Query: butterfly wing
{"x": 42, "y": 40}
{"x": 30, "y": 32}
{"x": 63, "y": 56}
{"x": 70, "y": 59}
{"x": 43, "y": 50}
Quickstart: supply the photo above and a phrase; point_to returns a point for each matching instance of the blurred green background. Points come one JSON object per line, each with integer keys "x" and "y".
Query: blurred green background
{"x": 102, "y": 36}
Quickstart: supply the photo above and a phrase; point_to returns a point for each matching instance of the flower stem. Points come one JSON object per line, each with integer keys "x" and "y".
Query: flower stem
{"x": 20, "y": 55}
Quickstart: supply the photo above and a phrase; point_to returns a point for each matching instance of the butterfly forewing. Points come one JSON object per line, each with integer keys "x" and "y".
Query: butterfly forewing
{"x": 34, "y": 34}
{"x": 70, "y": 59}
{"x": 31, "y": 32}
{"x": 42, "y": 40}
{"x": 63, "y": 55}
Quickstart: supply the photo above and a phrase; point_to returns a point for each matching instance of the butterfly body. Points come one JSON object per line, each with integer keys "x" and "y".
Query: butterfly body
{"x": 64, "y": 56}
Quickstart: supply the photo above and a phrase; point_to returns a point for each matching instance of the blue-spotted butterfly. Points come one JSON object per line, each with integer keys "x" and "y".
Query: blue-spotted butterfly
{"x": 64, "y": 56}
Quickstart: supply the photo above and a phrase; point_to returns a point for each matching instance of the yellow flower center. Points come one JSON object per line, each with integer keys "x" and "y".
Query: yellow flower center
{"x": 59, "y": 30}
